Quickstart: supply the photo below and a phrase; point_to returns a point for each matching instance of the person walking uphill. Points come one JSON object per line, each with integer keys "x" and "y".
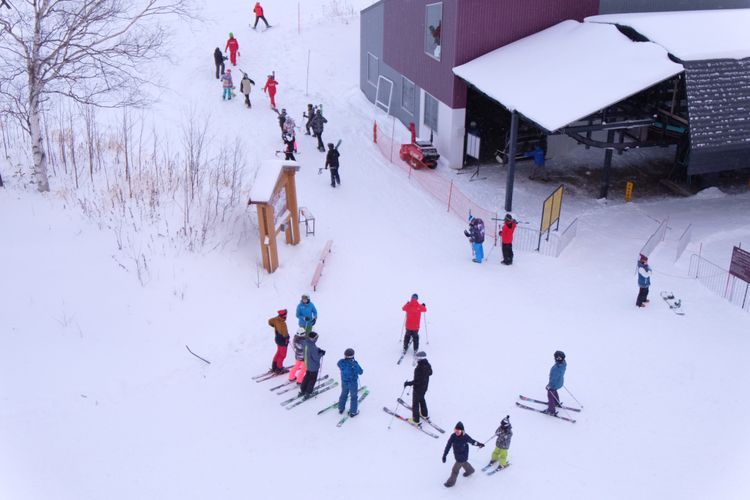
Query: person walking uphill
{"x": 504, "y": 433}
{"x": 350, "y": 372}
{"x": 460, "y": 441}
{"x": 258, "y": 11}
{"x": 506, "y": 236}
{"x": 234, "y": 49}
{"x": 317, "y": 123}
{"x": 219, "y": 59}
{"x": 332, "y": 161}
{"x": 227, "y": 85}
{"x": 556, "y": 381}
{"x": 421, "y": 381}
{"x": 270, "y": 89}
{"x": 413, "y": 310}
{"x": 298, "y": 344}
{"x": 644, "y": 281}
{"x": 282, "y": 340}
{"x": 476, "y": 237}
{"x": 312, "y": 364}
{"x": 307, "y": 314}
{"x": 246, "y": 85}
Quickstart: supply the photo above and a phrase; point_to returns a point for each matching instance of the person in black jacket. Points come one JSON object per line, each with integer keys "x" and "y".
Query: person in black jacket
{"x": 332, "y": 160}
{"x": 219, "y": 62}
{"x": 317, "y": 123}
{"x": 422, "y": 374}
{"x": 460, "y": 442}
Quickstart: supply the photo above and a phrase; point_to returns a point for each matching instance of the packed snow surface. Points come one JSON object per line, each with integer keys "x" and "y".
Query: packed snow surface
{"x": 99, "y": 399}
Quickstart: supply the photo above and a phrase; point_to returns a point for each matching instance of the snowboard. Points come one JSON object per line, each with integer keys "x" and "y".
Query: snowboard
{"x": 673, "y": 302}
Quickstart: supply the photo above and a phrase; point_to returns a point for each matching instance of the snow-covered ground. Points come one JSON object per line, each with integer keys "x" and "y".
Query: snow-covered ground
{"x": 100, "y": 399}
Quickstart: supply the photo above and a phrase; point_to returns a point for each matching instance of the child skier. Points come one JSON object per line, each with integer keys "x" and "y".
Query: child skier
{"x": 307, "y": 314}
{"x": 282, "y": 340}
{"x": 332, "y": 160}
{"x": 421, "y": 381}
{"x": 246, "y": 85}
{"x": 350, "y": 372}
{"x": 556, "y": 381}
{"x": 312, "y": 364}
{"x": 506, "y": 236}
{"x": 234, "y": 49}
{"x": 476, "y": 237}
{"x": 226, "y": 82}
{"x": 460, "y": 441}
{"x": 503, "y": 433}
{"x": 298, "y": 343}
{"x": 413, "y": 310}
{"x": 270, "y": 89}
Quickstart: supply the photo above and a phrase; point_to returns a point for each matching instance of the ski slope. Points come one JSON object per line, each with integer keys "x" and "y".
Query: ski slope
{"x": 100, "y": 399}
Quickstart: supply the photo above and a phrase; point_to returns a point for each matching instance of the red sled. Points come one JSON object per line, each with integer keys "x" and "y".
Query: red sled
{"x": 419, "y": 154}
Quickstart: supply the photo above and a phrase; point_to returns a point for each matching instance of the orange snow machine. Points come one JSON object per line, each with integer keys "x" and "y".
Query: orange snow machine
{"x": 419, "y": 154}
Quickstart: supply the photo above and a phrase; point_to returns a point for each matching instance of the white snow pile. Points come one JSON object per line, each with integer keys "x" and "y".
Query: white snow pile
{"x": 710, "y": 193}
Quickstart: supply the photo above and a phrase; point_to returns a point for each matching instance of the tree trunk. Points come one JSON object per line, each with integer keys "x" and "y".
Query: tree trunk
{"x": 37, "y": 144}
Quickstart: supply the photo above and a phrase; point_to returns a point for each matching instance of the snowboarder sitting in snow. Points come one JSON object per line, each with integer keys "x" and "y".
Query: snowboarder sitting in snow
{"x": 421, "y": 381}
{"x": 504, "y": 433}
{"x": 309, "y": 115}
{"x": 282, "y": 340}
{"x": 219, "y": 59}
{"x": 556, "y": 381}
{"x": 298, "y": 343}
{"x": 307, "y": 314}
{"x": 312, "y": 364}
{"x": 506, "y": 236}
{"x": 460, "y": 441}
{"x": 234, "y": 49}
{"x": 644, "y": 281}
{"x": 476, "y": 237}
{"x": 332, "y": 160}
{"x": 246, "y": 85}
{"x": 318, "y": 121}
{"x": 413, "y": 310}
{"x": 226, "y": 82}
{"x": 350, "y": 372}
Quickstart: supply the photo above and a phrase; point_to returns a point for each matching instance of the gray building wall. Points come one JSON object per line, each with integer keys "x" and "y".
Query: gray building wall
{"x": 371, "y": 41}
{"x": 619, "y": 6}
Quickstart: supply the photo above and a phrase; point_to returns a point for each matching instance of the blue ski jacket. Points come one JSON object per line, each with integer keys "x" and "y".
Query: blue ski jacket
{"x": 644, "y": 275}
{"x": 557, "y": 375}
{"x": 306, "y": 311}
{"x": 350, "y": 370}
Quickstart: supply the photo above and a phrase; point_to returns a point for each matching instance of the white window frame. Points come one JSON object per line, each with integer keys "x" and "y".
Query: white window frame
{"x": 377, "y": 65}
{"x": 385, "y": 106}
{"x": 414, "y": 96}
{"x": 437, "y": 112}
{"x": 426, "y": 28}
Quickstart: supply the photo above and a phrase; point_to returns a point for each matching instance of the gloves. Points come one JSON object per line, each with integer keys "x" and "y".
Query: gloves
{"x": 481, "y": 445}
{"x": 466, "y": 233}
{"x": 322, "y": 352}
{"x": 307, "y": 318}
{"x": 547, "y": 388}
{"x": 408, "y": 383}
{"x": 424, "y": 305}
{"x": 443, "y": 459}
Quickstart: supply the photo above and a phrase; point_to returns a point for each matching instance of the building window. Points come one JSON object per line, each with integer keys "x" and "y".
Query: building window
{"x": 372, "y": 69}
{"x": 433, "y": 29}
{"x": 430, "y": 112}
{"x": 408, "y": 92}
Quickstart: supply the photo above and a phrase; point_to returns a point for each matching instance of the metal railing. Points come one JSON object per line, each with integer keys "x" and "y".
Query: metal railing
{"x": 718, "y": 280}
{"x": 655, "y": 238}
{"x": 682, "y": 243}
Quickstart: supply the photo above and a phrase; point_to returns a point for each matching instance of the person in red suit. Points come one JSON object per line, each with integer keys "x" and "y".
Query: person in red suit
{"x": 413, "y": 310}
{"x": 270, "y": 89}
{"x": 233, "y": 47}
{"x": 506, "y": 234}
{"x": 258, "y": 10}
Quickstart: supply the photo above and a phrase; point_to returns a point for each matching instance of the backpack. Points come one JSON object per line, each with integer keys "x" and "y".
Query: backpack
{"x": 478, "y": 230}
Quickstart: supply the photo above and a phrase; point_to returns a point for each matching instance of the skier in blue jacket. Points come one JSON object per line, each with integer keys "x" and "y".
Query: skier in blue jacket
{"x": 307, "y": 315}
{"x": 556, "y": 381}
{"x": 644, "y": 281}
{"x": 350, "y": 372}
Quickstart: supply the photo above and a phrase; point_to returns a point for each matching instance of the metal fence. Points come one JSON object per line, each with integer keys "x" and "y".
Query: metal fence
{"x": 682, "y": 243}
{"x": 718, "y": 280}
{"x": 655, "y": 238}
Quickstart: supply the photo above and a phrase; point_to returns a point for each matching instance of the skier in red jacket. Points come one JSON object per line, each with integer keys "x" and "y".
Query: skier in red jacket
{"x": 258, "y": 10}
{"x": 234, "y": 49}
{"x": 506, "y": 234}
{"x": 270, "y": 89}
{"x": 413, "y": 310}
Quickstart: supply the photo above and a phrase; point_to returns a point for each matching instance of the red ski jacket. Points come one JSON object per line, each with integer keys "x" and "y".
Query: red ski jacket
{"x": 414, "y": 312}
{"x": 507, "y": 231}
{"x": 233, "y": 45}
{"x": 270, "y": 85}
{"x": 258, "y": 10}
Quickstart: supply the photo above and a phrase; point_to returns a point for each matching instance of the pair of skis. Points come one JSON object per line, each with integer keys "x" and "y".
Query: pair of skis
{"x": 363, "y": 393}
{"x": 430, "y": 422}
{"x": 404, "y": 419}
{"x": 491, "y": 468}
{"x": 326, "y": 385}
{"x": 294, "y": 387}
{"x": 532, "y": 400}
{"x": 271, "y": 374}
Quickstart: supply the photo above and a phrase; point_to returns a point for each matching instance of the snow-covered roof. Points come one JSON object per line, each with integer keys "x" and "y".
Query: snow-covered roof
{"x": 691, "y": 35}
{"x": 266, "y": 179}
{"x": 568, "y": 71}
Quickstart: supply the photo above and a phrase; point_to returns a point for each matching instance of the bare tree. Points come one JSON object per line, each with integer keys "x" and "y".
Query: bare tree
{"x": 91, "y": 51}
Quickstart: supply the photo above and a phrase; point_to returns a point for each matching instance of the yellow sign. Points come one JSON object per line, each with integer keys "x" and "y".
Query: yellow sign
{"x": 628, "y": 191}
{"x": 551, "y": 209}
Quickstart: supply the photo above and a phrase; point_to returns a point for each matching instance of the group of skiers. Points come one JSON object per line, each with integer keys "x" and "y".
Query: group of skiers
{"x": 475, "y": 233}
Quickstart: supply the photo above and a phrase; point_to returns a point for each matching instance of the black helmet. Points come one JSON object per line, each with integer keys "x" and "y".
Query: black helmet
{"x": 559, "y": 356}
{"x": 349, "y": 353}
{"x": 505, "y": 424}
{"x": 330, "y": 145}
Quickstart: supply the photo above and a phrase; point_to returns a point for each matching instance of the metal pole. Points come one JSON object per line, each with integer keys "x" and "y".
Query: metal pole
{"x": 426, "y": 337}
{"x": 396, "y": 408}
{"x": 511, "y": 161}
{"x": 307, "y": 78}
{"x": 607, "y": 165}
{"x": 571, "y": 395}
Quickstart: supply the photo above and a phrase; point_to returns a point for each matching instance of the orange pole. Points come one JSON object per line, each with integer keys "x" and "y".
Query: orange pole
{"x": 450, "y": 195}
{"x": 375, "y": 132}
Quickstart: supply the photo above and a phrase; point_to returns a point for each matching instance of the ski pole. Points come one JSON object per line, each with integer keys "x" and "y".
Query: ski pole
{"x": 571, "y": 395}
{"x": 489, "y": 438}
{"x": 403, "y": 330}
{"x": 426, "y": 337}
{"x": 559, "y": 405}
{"x": 396, "y": 408}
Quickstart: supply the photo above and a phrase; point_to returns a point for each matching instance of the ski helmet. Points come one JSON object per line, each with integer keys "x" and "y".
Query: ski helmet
{"x": 231, "y": 35}
{"x": 305, "y": 296}
{"x": 330, "y": 145}
{"x": 415, "y": 296}
{"x": 301, "y": 331}
{"x": 559, "y": 356}
{"x": 281, "y": 312}
{"x": 505, "y": 424}
{"x": 508, "y": 217}
{"x": 349, "y": 353}
{"x": 421, "y": 355}
{"x": 313, "y": 336}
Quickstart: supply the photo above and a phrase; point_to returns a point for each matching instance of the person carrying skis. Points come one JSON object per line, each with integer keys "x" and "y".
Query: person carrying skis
{"x": 421, "y": 381}
{"x": 312, "y": 364}
{"x": 350, "y": 372}
{"x": 460, "y": 441}
{"x": 298, "y": 344}
{"x": 476, "y": 237}
{"x": 504, "y": 433}
{"x": 309, "y": 115}
{"x": 290, "y": 147}
{"x": 556, "y": 381}
{"x": 307, "y": 314}
{"x": 234, "y": 49}
{"x": 506, "y": 236}
{"x": 282, "y": 120}
{"x": 270, "y": 89}
{"x": 644, "y": 281}
{"x": 413, "y": 310}
{"x": 219, "y": 59}
{"x": 246, "y": 85}
{"x": 332, "y": 160}
{"x": 258, "y": 11}
{"x": 317, "y": 123}
{"x": 278, "y": 323}
{"x": 226, "y": 83}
